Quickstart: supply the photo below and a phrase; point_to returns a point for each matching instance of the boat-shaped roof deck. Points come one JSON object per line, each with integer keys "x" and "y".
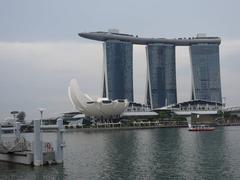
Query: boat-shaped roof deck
{"x": 104, "y": 36}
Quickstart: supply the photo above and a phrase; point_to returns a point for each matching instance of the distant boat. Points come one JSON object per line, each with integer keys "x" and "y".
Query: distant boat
{"x": 201, "y": 127}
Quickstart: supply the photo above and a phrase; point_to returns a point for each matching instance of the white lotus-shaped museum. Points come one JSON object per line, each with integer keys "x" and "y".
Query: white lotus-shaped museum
{"x": 100, "y": 108}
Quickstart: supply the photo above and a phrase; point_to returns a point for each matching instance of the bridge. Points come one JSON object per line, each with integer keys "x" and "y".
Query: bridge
{"x": 232, "y": 109}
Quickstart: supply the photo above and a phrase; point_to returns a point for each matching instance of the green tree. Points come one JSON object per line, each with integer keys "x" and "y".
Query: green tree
{"x": 164, "y": 114}
{"x": 21, "y": 116}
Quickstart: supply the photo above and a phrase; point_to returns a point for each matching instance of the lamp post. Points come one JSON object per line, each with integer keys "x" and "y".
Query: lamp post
{"x": 14, "y": 113}
{"x": 41, "y": 110}
{"x": 223, "y": 106}
{"x": 38, "y": 154}
{"x": 224, "y": 101}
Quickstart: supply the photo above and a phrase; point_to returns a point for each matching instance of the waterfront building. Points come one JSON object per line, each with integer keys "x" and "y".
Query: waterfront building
{"x": 101, "y": 108}
{"x": 187, "y": 108}
{"x": 138, "y": 112}
{"x": 118, "y": 70}
{"x": 234, "y": 111}
{"x": 161, "y": 75}
{"x": 161, "y": 67}
{"x": 206, "y": 83}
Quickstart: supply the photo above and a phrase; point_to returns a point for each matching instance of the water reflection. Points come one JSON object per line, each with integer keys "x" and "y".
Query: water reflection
{"x": 141, "y": 154}
{"x": 148, "y": 154}
{"x": 210, "y": 154}
{"x": 50, "y": 172}
{"x": 161, "y": 156}
{"x": 15, "y": 171}
{"x": 121, "y": 151}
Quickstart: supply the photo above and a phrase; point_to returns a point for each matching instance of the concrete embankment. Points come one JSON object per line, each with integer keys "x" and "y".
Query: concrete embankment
{"x": 74, "y": 129}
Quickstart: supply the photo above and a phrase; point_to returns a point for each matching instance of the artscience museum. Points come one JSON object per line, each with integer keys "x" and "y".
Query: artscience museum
{"x": 101, "y": 108}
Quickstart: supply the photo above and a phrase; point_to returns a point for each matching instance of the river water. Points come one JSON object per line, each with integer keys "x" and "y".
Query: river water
{"x": 140, "y": 154}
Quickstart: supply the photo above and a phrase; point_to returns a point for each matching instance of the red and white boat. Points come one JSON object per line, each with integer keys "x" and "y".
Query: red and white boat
{"x": 201, "y": 128}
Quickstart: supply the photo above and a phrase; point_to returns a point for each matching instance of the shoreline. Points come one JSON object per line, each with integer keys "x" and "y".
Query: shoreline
{"x": 102, "y": 128}
{"x": 119, "y": 128}
{"x": 80, "y": 129}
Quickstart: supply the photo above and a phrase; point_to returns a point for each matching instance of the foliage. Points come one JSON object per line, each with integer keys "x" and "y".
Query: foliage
{"x": 227, "y": 115}
{"x": 164, "y": 114}
{"x": 220, "y": 113}
{"x": 21, "y": 116}
{"x": 179, "y": 118}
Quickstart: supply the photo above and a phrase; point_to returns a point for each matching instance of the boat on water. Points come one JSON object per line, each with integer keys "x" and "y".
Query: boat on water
{"x": 201, "y": 127}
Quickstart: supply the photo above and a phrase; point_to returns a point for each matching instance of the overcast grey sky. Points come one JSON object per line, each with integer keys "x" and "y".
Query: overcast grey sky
{"x": 40, "y": 51}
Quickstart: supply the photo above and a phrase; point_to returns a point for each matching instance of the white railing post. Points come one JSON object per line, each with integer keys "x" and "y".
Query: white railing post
{"x": 59, "y": 144}
{"x": 18, "y": 130}
{"x": 0, "y": 132}
{"x": 189, "y": 121}
{"x": 37, "y": 152}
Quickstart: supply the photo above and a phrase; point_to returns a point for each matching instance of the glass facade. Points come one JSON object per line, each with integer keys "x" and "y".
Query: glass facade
{"x": 161, "y": 75}
{"x": 118, "y": 70}
{"x": 206, "y": 83}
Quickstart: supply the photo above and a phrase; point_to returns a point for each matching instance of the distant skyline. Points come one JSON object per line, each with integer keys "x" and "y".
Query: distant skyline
{"x": 40, "y": 51}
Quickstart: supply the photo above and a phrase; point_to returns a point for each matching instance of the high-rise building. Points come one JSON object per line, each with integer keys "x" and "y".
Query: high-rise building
{"x": 161, "y": 75}
{"x": 206, "y": 83}
{"x": 118, "y": 70}
{"x": 161, "y": 67}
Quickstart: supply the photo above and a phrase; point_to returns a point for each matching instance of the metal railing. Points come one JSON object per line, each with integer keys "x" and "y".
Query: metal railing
{"x": 13, "y": 144}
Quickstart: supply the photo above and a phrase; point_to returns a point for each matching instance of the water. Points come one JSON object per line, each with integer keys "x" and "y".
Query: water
{"x": 141, "y": 154}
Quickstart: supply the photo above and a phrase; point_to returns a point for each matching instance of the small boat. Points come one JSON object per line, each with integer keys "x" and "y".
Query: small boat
{"x": 201, "y": 128}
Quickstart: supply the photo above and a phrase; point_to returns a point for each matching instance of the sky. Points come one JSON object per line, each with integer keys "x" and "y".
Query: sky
{"x": 40, "y": 51}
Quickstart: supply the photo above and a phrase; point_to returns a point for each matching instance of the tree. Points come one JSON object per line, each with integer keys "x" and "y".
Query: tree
{"x": 164, "y": 114}
{"x": 21, "y": 116}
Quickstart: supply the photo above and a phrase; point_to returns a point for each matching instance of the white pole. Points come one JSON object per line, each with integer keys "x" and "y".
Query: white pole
{"x": 0, "y": 132}
{"x": 59, "y": 144}
{"x": 41, "y": 110}
{"x": 189, "y": 120}
{"x": 37, "y": 153}
{"x": 18, "y": 130}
